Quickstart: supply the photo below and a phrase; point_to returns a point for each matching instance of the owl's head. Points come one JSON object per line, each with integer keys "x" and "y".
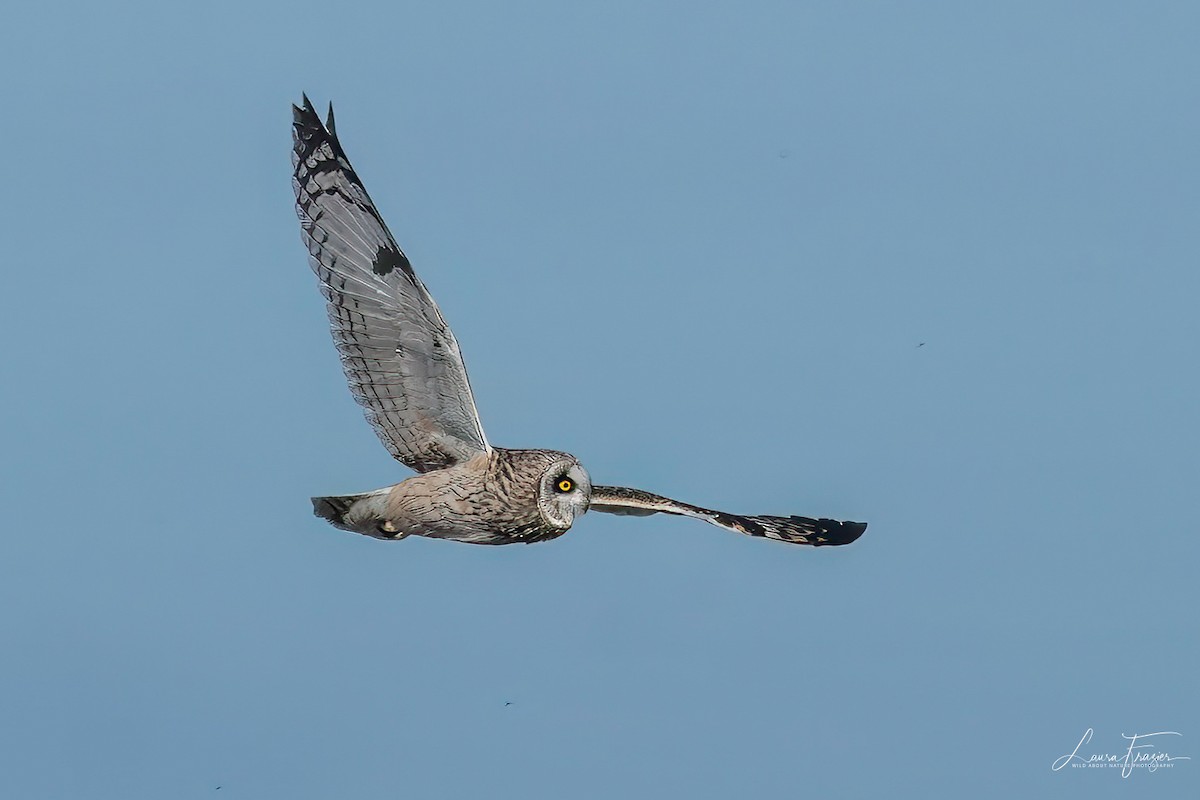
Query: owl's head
{"x": 564, "y": 493}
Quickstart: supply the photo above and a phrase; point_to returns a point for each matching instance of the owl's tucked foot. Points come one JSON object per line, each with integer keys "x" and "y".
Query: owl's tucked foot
{"x": 388, "y": 530}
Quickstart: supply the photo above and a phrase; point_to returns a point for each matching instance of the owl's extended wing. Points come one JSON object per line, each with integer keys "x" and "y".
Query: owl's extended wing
{"x": 402, "y": 361}
{"x": 795, "y": 530}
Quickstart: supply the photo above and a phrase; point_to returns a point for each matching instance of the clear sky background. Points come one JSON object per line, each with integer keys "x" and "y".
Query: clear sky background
{"x": 928, "y": 265}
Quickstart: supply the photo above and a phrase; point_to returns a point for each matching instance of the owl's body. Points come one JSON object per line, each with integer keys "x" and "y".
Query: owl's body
{"x": 405, "y": 368}
{"x": 500, "y": 497}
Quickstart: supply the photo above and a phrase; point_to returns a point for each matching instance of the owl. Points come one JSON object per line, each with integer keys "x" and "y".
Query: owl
{"x": 405, "y": 369}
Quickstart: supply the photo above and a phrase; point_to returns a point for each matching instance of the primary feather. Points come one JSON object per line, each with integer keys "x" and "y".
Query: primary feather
{"x": 399, "y": 355}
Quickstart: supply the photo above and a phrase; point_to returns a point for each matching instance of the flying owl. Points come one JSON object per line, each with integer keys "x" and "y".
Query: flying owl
{"x": 405, "y": 369}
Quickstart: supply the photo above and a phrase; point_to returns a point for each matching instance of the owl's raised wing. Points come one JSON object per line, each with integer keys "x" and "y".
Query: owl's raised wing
{"x": 794, "y": 530}
{"x": 399, "y": 355}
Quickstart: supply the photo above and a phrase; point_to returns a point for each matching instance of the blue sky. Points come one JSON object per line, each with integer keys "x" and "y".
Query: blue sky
{"x": 931, "y": 266}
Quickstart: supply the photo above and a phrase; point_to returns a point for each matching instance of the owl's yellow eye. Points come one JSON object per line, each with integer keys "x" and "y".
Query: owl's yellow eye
{"x": 565, "y": 485}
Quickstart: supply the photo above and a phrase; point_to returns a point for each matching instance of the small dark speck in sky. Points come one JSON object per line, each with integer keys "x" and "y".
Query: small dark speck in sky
{"x": 922, "y": 344}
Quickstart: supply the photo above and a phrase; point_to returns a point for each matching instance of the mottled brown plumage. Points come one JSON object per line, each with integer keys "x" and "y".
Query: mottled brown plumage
{"x": 493, "y": 498}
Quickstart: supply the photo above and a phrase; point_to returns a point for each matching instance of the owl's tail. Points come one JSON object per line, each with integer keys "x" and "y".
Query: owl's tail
{"x": 358, "y": 513}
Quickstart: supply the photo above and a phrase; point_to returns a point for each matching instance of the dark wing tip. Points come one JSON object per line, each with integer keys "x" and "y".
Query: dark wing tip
{"x": 835, "y": 533}
{"x": 794, "y": 529}
{"x": 309, "y": 133}
{"x": 305, "y": 115}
